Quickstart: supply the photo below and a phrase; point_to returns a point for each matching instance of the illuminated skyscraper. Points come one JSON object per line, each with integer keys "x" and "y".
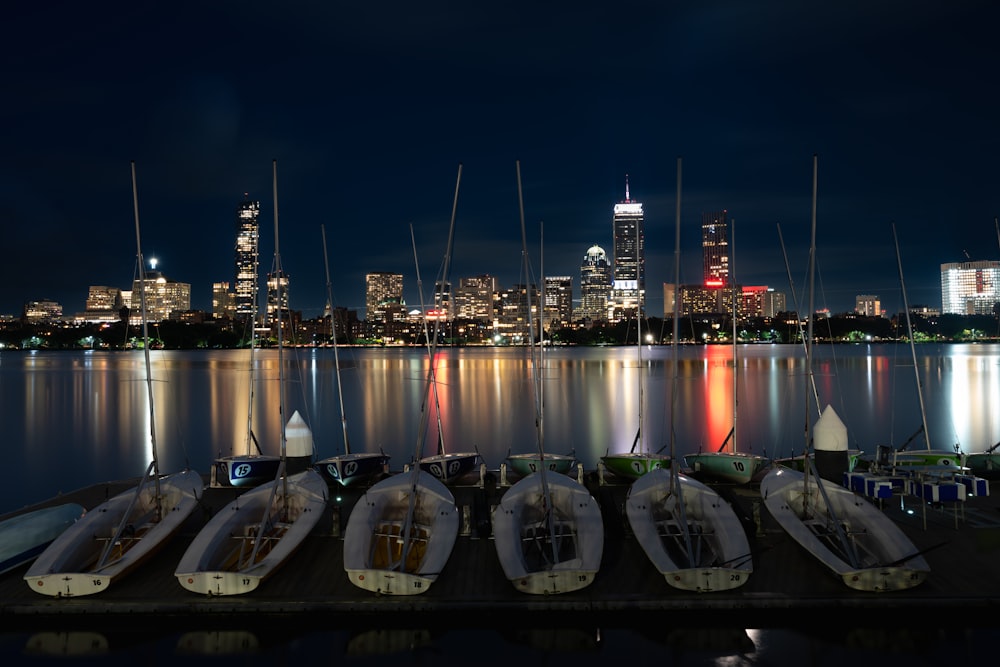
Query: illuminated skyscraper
{"x": 247, "y": 257}
{"x": 628, "y": 292}
{"x": 595, "y": 285}
{"x": 715, "y": 246}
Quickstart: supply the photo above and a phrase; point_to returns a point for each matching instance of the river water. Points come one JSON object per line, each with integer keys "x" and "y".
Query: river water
{"x": 73, "y": 419}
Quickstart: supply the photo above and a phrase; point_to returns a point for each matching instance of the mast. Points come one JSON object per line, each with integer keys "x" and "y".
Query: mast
{"x": 809, "y": 314}
{"x": 155, "y": 465}
{"x": 333, "y": 329}
{"x": 279, "y": 274}
{"x": 542, "y": 472}
{"x": 913, "y": 348}
{"x": 736, "y": 365}
{"x": 253, "y": 344}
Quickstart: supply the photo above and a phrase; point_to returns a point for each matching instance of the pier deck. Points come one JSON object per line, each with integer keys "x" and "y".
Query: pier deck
{"x": 962, "y": 549}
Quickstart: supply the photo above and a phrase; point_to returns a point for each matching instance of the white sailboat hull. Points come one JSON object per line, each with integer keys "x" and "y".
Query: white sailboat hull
{"x": 25, "y": 536}
{"x": 730, "y": 467}
{"x": 220, "y": 559}
{"x": 523, "y": 535}
{"x": 722, "y": 559}
{"x": 71, "y": 565}
{"x": 377, "y": 557}
{"x": 886, "y": 560}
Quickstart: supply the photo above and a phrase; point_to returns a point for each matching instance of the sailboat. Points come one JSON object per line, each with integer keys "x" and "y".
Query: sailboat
{"x": 24, "y": 536}
{"x": 690, "y": 534}
{"x": 126, "y": 530}
{"x": 728, "y": 465}
{"x": 548, "y": 529}
{"x": 902, "y": 457}
{"x": 844, "y": 531}
{"x": 252, "y": 467}
{"x": 526, "y": 463}
{"x": 350, "y": 468}
{"x": 449, "y": 467}
{"x": 401, "y": 532}
{"x": 637, "y": 461}
{"x": 834, "y": 462}
{"x": 248, "y": 540}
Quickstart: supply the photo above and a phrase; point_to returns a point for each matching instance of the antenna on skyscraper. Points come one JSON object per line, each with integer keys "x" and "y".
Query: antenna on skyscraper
{"x": 627, "y": 198}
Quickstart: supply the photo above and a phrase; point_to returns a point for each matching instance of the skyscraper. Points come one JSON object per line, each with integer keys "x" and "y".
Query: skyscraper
{"x": 247, "y": 257}
{"x": 715, "y": 246}
{"x": 628, "y": 292}
{"x": 595, "y": 285}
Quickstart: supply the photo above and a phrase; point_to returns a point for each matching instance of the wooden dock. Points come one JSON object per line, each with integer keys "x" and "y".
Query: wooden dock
{"x": 961, "y": 544}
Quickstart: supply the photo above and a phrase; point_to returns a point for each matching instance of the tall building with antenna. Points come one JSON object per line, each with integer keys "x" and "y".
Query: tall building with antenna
{"x": 628, "y": 291}
{"x": 247, "y": 258}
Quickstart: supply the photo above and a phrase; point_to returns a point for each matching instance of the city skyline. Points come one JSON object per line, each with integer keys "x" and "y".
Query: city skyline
{"x": 370, "y": 110}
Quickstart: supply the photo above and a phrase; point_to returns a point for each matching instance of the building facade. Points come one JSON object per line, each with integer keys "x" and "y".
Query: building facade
{"x": 277, "y": 297}
{"x": 868, "y": 305}
{"x": 474, "y": 298}
{"x": 247, "y": 258}
{"x": 628, "y": 289}
{"x": 558, "y": 308}
{"x": 970, "y": 288}
{"x": 165, "y": 298}
{"x": 382, "y": 291}
{"x": 715, "y": 248}
{"x": 595, "y": 285}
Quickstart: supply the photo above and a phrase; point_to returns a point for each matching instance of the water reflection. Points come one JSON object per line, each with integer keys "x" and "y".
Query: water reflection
{"x": 73, "y": 419}
{"x": 71, "y": 644}
{"x": 218, "y": 642}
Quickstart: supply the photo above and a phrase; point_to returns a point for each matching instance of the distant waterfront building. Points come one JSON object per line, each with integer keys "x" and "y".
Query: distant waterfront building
{"x": 103, "y": 304}
{"x": 558, "y": 307}
{"x": 970, "y": 288}
{"x": 277, "y": 284}
{"x": 444, "y": 301}
{"x": 868, "y": 305}
{"x": 513, "y": 313}
{"x": 628, "y": 290}
{"x": 474, "y": 298}
{"x": 774, "y": 303}
{"x": 44, "y": 310}
{"x": 753, "y": 301}
{"x": 595, "y": 285}
{"x": 166, "y": 299}
{"x": 223, "y": 301}
{"x": 382, "y": 291}
{"x": 715, "y": 248}
{"x": 715, "y": 256}
{"x": 247, "y": 258}
{"x": 669, "y": 299}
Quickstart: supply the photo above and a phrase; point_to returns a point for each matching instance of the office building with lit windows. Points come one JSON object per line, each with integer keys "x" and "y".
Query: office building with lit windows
{"x": 383, "y": 291}
{"x": 474, "y": 298}
{"x": 715, "y": 248}
{"x": 558, "y": 307}
{"x": 970, "y": 288}
{"x": 247, "y": 258}
{"x": 165, "y": 298}
{"x": 628, "y": 288}
{"x": 595, "y": 285}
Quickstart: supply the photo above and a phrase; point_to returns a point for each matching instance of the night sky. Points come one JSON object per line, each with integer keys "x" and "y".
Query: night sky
{"x": 369, "y": 108}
